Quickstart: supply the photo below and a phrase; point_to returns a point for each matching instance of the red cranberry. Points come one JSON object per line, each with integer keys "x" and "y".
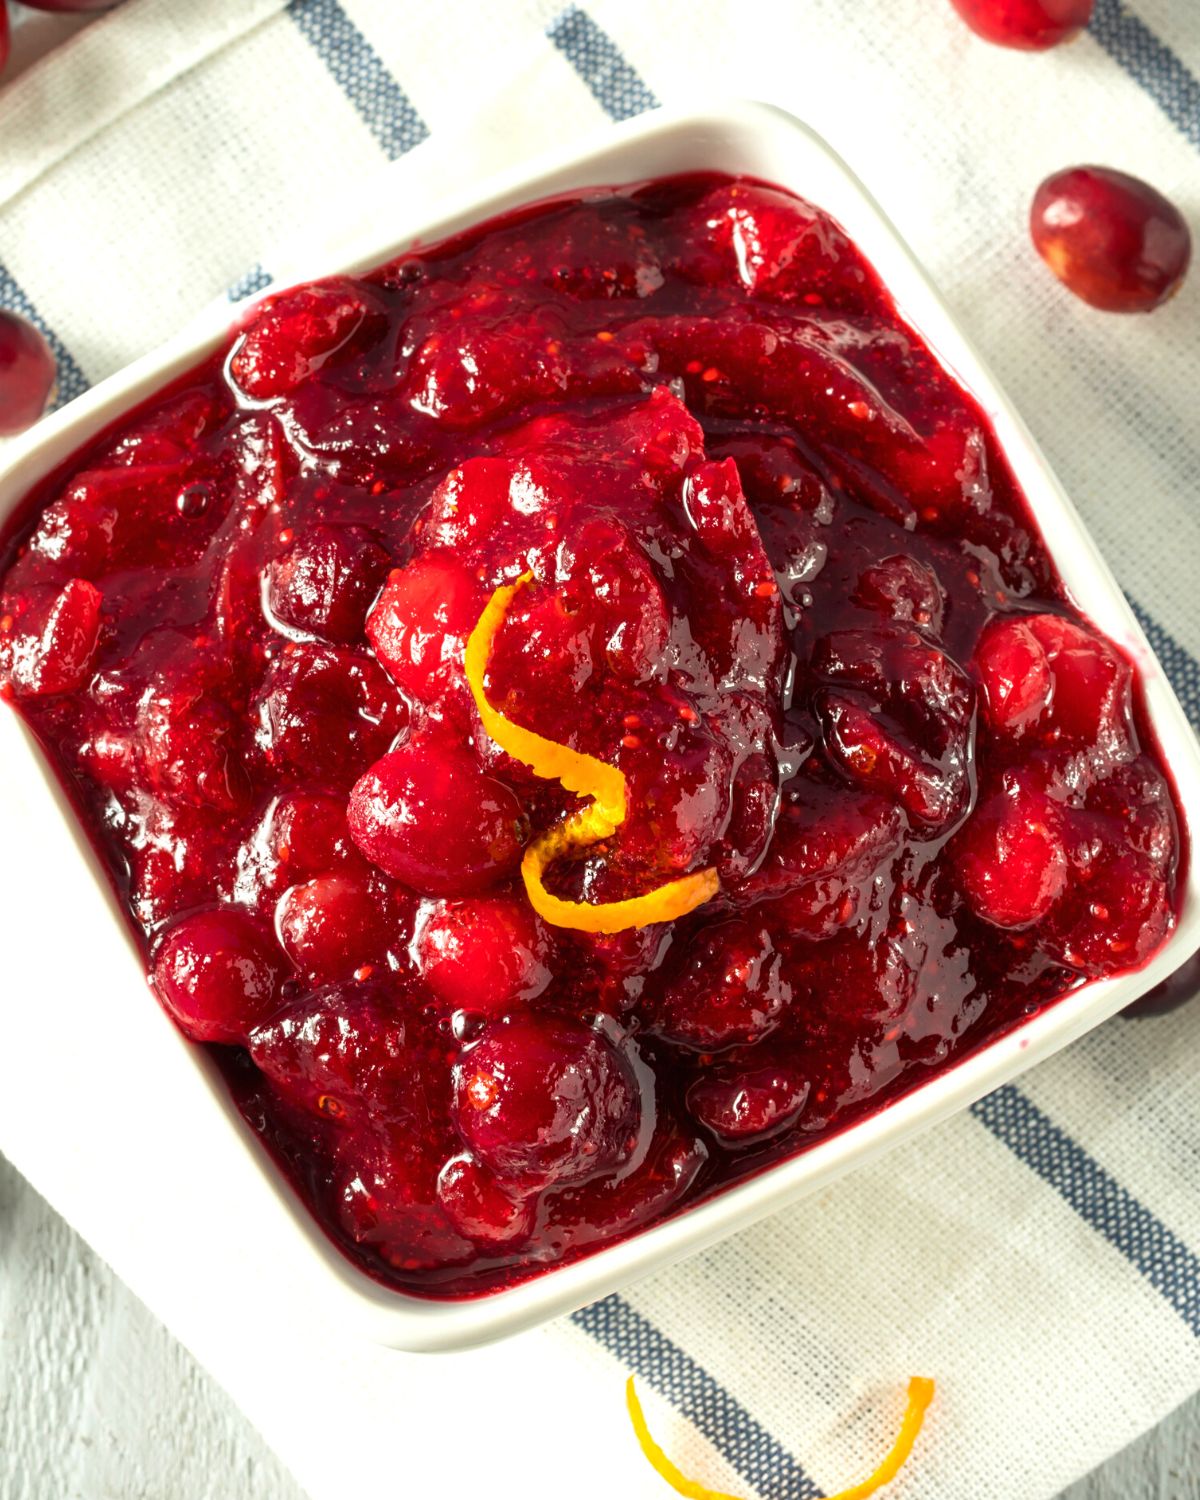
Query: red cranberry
{"x": 301, "y": 834}
{"x": 324, "y": 713}
{"x": 178, "y": 859}
{"x": 727, "y": 989}
{"x": 188, "y": 751}
{"x": 323, "y": 584}
{"x": 52, "y": 650}
{"x": 1015, "y": 674}
{"x": 216, "y": 975}
{"x": 430, "y": 817}
{"x": 1031, "y": 25}
{"x": 904, "y": 589}
{"x": 386, "y": 1196}
{"x": 1010, "y": 856}
{"x": 482, "y": 955}
{"x": 339, "y": 1052}
{"x": 295, "y": 334}
{"x": 1176, "y": 990}
{"x": 478, "y": 1206}
{"x": 1110, "y": 238}
{"x": 740, "y": 1104}
{"x": 421, "y": 622}
{"x": 541, "y": 1100}
{"x": 335, "y": 925}
{"x": 27, "y": 369}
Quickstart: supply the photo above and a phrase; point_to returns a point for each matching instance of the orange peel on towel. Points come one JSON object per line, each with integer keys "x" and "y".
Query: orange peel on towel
{"x": 920, "y": 1394}
{"x": 584, "y": 775}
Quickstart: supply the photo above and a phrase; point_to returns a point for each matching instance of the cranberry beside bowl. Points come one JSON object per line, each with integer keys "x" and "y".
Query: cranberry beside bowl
{"x": 479, "y": 1093}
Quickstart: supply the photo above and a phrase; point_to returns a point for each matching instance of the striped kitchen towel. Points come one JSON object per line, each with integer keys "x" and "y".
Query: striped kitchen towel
{"x": 1038, "y": 1255}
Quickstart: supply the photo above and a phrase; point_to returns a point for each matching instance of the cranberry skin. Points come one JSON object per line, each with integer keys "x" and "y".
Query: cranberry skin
{"x": 54, "y": 652}
{"x": 740, "y": 1104}
{"x": 291, "y": 336}
{"x": 332, "y": 926}
{"x": 478, "y": 1206}
{"x": 27, "y": 369}
{"x": 543, "y": 1100}
{"x": 1015, "y": 675}
{"x": 339, "y": 1052}
{"x": 1010, "y": 857}
{"x": 1176, "y": 990}
{"x": 430, "y": 817}
{"x": 216, "y": 975}
{"x": 1110, "y": 238}
{"x": 729, "y": 989}
{"x": 421, "y": 622}
{"x": 482, "y": 955}
{"x": 325, "y": 582}
{"x": 1029, "y": 25}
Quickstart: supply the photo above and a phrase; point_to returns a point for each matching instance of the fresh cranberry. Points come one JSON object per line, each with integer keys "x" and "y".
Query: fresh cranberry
{"x": 421, "y": 622}
{"x": 325, "y": 581}
{"x": 339, "y": 1052}
{"x": 324, "y": 713}
{"x": 1030, "y": 25}
{"x": 541, "y": 1100}
{"x": 482, "y": 955}
{"x": 478, "y": 1206}
{"x": 53, "y": 647}
{"x": 739, "y": 1104}
{"x": 728, "y": 988}
{"x": 215, "y": 973}
{"x": 1110, "y": 238}
{"x": 335, "y": 925}
{"x": 1010, "y": 856}
{"x": 429, "y": 816}
{"x": 27, "y": 368}
{"x": 1176, "y": 990}
{"x": 293, "y": 335}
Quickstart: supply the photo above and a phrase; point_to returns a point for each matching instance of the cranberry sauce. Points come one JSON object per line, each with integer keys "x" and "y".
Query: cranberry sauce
{"x": 779, "y": 575}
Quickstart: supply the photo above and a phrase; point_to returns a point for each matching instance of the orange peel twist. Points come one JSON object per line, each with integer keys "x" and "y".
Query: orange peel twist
{"x": 920, "y": 1394}
{"x": 584, "y": 775}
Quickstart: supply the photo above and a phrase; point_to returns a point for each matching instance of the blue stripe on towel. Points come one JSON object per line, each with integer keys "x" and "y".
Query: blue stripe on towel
{"x": 760, "y": 1459}
{"x": 254, "y": 280}
{"x": 72, "y": 381}
{"x": 1150, "y": 62}
{"x": 358, "y": 69}
{"x": 1178, "y": 663}
{"x": 1098, "y": 1198}
{"x": 616, "y": 87}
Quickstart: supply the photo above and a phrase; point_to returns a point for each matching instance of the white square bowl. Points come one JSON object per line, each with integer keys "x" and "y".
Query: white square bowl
{"x": 100, "y": 957}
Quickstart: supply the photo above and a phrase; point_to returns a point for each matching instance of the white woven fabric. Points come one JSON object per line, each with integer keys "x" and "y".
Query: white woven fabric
{"x": 1040, "y": 1256}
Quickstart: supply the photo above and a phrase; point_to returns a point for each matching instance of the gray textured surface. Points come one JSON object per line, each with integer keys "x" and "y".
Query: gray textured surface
{"x": 98, "y": 1401}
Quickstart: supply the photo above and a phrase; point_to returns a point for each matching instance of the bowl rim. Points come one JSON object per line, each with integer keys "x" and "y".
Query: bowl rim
{"x": 618, "y": 155}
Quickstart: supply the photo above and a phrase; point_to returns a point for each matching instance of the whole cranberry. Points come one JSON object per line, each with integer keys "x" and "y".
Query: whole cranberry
{"x": 741, "y": 1104}
{"x": 27, "y": 369}
{"x": 478, "y": 1206}
{"x": 482, "y": 955}
{"x": 1110, "y": 238}
{"x": 1031, "y": 25}
{"x": 421, "y": 622}
{"x": 1176, "y": 990}
{"x": 216, "y": 975}
{"x": 727, "y": 989}
{"x": 323, "y": 584}
{"x": 333, "y": 926}
{"x": 429, "y": 816}
{"x": 545, "y": 1100}
{"x": 1010, "y": 857}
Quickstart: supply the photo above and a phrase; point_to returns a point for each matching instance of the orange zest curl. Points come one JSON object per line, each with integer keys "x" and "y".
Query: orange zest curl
{"x": 920, "y": 1394}
{"x": 584, "y": 775}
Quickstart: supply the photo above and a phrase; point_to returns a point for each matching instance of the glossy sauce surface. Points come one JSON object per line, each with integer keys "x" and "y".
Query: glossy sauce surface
{"x": 781, "y": 577}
